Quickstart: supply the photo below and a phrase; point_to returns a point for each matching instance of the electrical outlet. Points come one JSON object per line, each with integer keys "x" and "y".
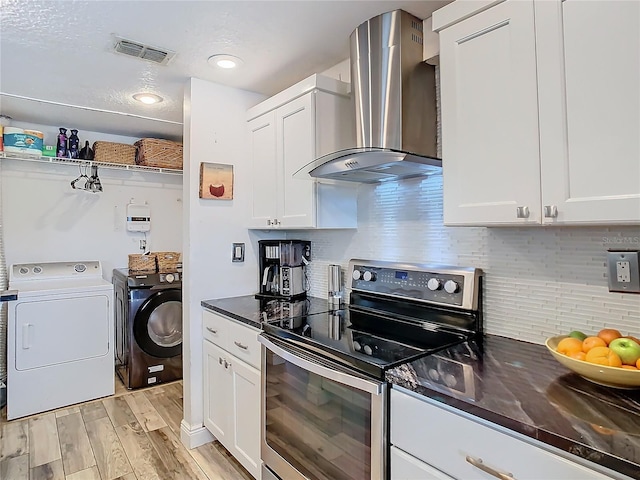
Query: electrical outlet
{"x": 624, "y": 270}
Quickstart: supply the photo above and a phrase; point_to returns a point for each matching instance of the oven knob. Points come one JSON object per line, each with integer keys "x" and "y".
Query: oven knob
{"x": 369, "y": 276}
{"x": 356, "y": 275}
{"x": 434, "y": 284}
{"x": 450, "y": 286}
{"x": 169, "y": 278}
{"x": 368, "y": 350}
{"x": 356, "y": 345}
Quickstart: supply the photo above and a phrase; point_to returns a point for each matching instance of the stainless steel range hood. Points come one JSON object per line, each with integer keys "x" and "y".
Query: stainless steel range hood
{"x": 394, "y": 93}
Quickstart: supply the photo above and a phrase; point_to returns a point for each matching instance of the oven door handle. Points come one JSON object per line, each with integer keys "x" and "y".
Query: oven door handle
{"x": 374, "y": 388}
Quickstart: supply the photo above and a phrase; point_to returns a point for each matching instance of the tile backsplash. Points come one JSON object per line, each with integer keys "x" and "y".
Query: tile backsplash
{"x": 539, "y": 281}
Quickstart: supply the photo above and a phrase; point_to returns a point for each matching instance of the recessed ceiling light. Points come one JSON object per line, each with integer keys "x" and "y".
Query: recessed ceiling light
{"x": 225, "y": 62}
{"x": 148, "y": 98}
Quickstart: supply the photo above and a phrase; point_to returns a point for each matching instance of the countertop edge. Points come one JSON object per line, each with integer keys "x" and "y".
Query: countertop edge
{"x": 211, "y": 307}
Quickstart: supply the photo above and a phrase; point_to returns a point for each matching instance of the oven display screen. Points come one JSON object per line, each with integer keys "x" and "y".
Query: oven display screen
{"x": 402, "y": 275}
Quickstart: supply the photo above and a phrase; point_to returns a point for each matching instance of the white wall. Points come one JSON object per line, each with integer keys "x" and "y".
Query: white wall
{"x": 539, "y": 281}
{"x": 215, "y": 131}
{"x": 44, "y": 219}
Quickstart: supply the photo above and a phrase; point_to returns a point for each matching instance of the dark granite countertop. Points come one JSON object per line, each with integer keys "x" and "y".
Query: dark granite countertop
{"x": 252, "y": 311}
{"x": 520, "y": 386}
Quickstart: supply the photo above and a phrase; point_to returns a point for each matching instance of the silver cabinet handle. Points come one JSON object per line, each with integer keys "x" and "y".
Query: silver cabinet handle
{"x": 240, "y": 345}
{"x": 550, "y": 211}
{"x": 477, "y": 462}
{"x": 522, "y": 212}
{"x": 212, "y": 330}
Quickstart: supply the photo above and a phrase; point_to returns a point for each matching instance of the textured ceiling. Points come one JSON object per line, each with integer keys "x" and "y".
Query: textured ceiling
{"x": 61, "y": 52}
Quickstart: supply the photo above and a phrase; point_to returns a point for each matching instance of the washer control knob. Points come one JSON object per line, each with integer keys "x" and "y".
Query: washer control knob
{"x": 356, "y": 275}
{"x": 450, "y": 286}
{"x": 434, "y": 284}
{"x": 24, "y": 270}
{"x": 169, "y": 278}
{"x": 369, "y": 276}
{"x": 37, "y": 269}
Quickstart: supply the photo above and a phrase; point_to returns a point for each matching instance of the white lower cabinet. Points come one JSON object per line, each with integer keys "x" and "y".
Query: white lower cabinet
{"x": 232, "y": 389}
{"x": 431, "y": 441}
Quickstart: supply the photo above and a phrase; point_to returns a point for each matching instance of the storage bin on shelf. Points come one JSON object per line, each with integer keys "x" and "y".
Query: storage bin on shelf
{"x": 168, "y": 262}
{"x": 111, "y": 152}
{"x": 139, "y": 262}
{"x": 155, "y": 152}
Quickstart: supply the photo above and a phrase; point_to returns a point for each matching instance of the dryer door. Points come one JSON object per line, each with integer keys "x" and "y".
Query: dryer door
{"x": 158, "y": 324}
{"x": 59, "y": 329}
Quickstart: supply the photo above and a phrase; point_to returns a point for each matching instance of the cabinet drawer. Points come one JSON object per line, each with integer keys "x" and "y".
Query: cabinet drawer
{"x": 215, "y": 328}
{"x": 242, "y": 341}
{"x": 406, "y": 467}
{"x": 449, "y": 442}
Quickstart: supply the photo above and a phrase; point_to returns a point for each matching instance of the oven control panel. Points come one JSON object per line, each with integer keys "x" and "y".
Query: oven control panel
{"x": 444, "y": 285}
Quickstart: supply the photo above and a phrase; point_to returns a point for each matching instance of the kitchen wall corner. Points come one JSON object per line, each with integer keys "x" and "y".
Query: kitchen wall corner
{"x": 214, "y": 131}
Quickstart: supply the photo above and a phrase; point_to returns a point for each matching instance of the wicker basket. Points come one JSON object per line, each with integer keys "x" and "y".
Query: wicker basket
{"x": 153, "y": 152}
{"x": 110, "y": 152}
{"x": 142, "y": 263}
{"x": 168, "y": 262}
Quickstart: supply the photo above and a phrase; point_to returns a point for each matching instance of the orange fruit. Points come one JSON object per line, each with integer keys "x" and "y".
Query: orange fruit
{"x": 629, "y": 367}
{"x": 579, "y": 356}
{"x": 603, "y": 356}
{"x": 638, "y": 364}
{"x": 591, "y": 342}
{"x": 569, "y": 345}
{"x": 609, "y": 334}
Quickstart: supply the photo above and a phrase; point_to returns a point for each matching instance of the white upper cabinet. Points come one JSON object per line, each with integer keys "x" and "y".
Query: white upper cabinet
{"x": 540, "y": 112}
{"x": 489, "y": 117}
{"x": 288, "y": 131}
{"x": 589, "y": 94}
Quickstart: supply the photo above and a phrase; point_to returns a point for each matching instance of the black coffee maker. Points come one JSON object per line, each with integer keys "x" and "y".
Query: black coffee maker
{"x": 282, "y": 266}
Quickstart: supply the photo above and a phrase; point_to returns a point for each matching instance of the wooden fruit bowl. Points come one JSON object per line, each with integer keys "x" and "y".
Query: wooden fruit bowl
{"x": 608, "y": 376}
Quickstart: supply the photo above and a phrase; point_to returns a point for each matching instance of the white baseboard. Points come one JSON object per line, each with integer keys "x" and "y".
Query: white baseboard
{"x": 192, "y": 436}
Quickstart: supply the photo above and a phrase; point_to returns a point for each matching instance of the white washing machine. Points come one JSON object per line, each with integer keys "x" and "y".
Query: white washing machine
{"x": 59, "y": 337}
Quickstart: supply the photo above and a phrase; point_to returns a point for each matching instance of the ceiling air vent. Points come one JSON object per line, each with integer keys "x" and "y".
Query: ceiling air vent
{"x": 145, "y": 52}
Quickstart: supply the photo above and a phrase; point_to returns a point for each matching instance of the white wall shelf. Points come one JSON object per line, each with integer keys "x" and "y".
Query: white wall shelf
{"x": 89, "y": 163}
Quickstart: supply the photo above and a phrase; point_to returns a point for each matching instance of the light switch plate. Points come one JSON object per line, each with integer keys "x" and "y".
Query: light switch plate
{"x": 237, "y": 254}
{"x": 624, "y": 271}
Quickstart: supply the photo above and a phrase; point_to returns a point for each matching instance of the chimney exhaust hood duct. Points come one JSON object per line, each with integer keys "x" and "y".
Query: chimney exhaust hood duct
{"x": 395, "y": 100}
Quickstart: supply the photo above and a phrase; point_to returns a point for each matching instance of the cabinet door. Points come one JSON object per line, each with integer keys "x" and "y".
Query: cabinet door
{"x": 246, "y": 415}
{"x": 217, "y": 399}
{"x": 491, "y": 162}
{"x": 406, "y": 467}
{"x": 589, "y": 84}
{"x": 262, "y": 139}
{"x": 295, "y": 147}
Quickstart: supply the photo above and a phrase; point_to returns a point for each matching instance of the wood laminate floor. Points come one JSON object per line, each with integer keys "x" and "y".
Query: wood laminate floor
{"x": 133, "y": 435}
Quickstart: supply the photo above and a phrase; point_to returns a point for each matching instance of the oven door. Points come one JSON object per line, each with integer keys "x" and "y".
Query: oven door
{"x": 320, "y": 421}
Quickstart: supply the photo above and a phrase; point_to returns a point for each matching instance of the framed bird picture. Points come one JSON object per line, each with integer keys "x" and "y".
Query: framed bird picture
{"x": 216, "y": 181}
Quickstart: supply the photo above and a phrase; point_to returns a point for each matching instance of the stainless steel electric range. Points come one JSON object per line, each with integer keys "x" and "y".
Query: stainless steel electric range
{"x": 324, "y": 408}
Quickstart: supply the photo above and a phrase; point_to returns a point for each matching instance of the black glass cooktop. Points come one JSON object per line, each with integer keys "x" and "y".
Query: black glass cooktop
{"x": 368, "y": 342}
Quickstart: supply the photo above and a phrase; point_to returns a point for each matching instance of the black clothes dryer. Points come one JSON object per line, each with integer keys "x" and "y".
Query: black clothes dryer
{"x": 148, "y": 316}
